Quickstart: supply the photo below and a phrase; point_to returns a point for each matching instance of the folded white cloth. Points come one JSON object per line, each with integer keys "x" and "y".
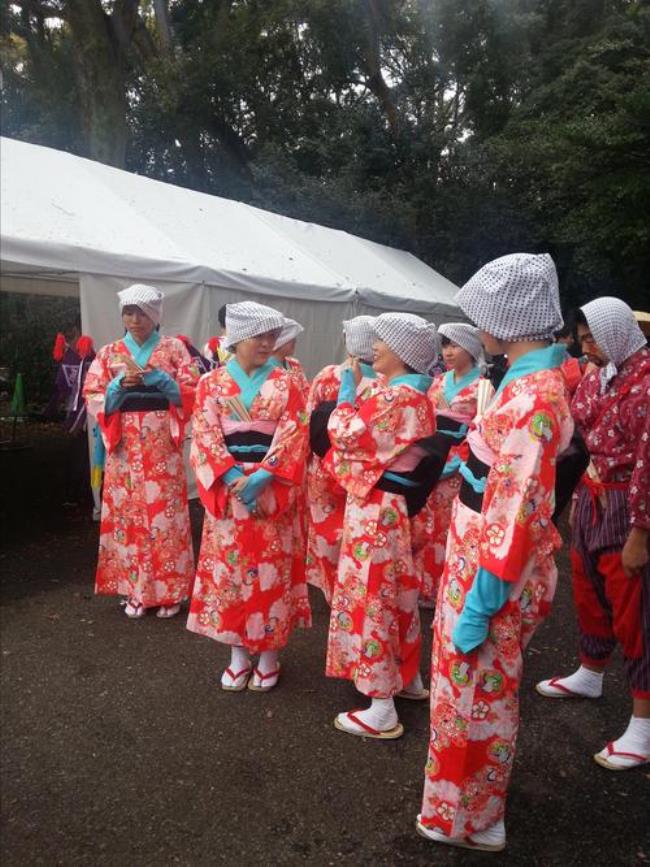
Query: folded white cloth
{"x": 412, "y": 339}
{"x": 514, "y": 298}
{"x": 248, "y": 319}
{"x": 147, "y": 298}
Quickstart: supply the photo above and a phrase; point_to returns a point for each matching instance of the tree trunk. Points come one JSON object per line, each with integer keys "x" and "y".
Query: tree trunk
{"x": 100, "y": 68}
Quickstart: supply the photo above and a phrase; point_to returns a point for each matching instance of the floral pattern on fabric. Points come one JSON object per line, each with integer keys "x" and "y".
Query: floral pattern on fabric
{"x": 431, "y": 525}
{"x": 374, "y": 635}
{"x": 250, "y": 587}
{"x": 616, "y": 429}
{"x": 325, "y": 497}
{"x": 474, "y": 697}
{"x": 145, "y": 542}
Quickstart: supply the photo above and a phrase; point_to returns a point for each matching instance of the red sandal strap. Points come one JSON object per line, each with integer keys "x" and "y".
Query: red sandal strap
{"x": 263, "y": 677}
{"x": 351, "y": 715}
{"x": 554, "y": 682}
{"x": 612, "y": 752}
{"x": 234, "y": 676}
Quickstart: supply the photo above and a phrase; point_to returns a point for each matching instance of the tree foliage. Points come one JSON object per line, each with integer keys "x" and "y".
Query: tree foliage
{"x": 458, "y": 129}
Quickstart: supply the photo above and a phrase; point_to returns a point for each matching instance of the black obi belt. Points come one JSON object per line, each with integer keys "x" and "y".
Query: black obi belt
{"x": 248, "y": 447}
{"x": 143, "y": 398}
{"x": 468, "y": 494}
{"x": 319, "y": 438}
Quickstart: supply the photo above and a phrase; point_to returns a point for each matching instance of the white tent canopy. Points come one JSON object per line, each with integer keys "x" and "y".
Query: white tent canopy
{"x": 67, "y": 222}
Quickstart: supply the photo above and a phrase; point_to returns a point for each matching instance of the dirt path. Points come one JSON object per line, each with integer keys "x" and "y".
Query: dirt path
{"x": 119, "y": 749}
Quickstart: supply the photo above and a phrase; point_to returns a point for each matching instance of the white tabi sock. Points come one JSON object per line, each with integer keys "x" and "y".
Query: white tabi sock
{"x": 635, "y": 742}
{"x": 239, "y": 661}
{"x": 582, "y": 682}
{"x": 493, "y": 836}
{"x": 381, "y": 714}
{"x": 416, "y": 685}
{"x": 268, "y": 661}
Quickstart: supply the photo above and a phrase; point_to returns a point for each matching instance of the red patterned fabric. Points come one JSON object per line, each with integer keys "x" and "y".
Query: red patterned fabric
{"x": 616, "y": 429}
{"x": 250, "y": 588}
{"x": 145, "y": 542}
{"x": 374, "y": 636}
{"x": 474, "y": 697}
{"x": 325, "y": 497}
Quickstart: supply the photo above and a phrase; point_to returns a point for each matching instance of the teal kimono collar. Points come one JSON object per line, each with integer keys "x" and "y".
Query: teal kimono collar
{"x": 250, "y": 386}
{"x": 451, "y": 388}
{"x": 142, "y": 354}
{"x": 532, "y": 362}
{"x": 418, "y": 381}
{"x": 367, "y": 370}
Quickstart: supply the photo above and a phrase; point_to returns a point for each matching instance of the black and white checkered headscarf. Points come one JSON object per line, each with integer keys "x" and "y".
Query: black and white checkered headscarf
{"x": 290, "y": 330}
{"x": 147, "y": 298}
{"x": 514, "y": 298}
{"x": 615, "y": 329}
{"x": 413, "y": 339}
{"x": 248, "y": 319}
{"x": 359, "y": 336}
{"x": 465, "y": 336}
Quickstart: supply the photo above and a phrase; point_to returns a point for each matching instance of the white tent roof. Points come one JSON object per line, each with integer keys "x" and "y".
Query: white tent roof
{"x": 60, "y": 212}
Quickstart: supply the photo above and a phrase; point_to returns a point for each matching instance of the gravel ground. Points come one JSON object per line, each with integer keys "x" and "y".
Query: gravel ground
{"x": 118, "y": 748}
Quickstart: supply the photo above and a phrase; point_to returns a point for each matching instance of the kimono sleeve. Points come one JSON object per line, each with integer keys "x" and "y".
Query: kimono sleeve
{"x": 209, "y": 456}
{"x": 287, "y": 453}
{"x": 520, "y": 493}
{"x": 96, "y": 382}
{"x": 187, "y": 377}
{"x": 637, "y": 411}
{"x": 366, "y": 440}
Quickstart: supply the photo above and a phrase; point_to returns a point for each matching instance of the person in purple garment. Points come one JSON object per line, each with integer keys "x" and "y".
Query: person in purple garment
{"x": 74, "y": 353}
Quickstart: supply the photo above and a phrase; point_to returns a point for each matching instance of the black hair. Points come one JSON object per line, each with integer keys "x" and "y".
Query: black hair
{"x": 221, "y": 315}
{"x": 579, "y": 317}
{"x": 445, "y": 341}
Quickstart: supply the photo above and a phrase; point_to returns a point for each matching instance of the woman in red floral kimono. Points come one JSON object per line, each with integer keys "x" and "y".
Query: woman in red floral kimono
{"x": 283, "y": 355}
{"x": 248, "y": 454}
{"x": 140, "y": 390}
{"x": 499, "y": 577}
{"x": 325, "y": 497}
{"x": 455, "y": 399}
{"x": 374, "y": 635}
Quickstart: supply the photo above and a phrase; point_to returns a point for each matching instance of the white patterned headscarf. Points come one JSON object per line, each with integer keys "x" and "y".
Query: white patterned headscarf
{"x": 617, "y": 333}
{"x": 359, "y": 337}
{"x": 412, "y": 339}
{"x": 248, "y": 319}
{"x": 147, "y": 298}
{"x": 290, "y": 330}
{"x": 514, "y": 298}
{"x": 465, "y": 336}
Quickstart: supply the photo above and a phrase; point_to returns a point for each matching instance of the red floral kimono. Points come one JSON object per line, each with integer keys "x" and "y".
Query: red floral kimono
{"x": 250, "y": 588}
{"x": 295, "y": 370}
{"x": 474, "y": 696}
{"x": 145, "y": 541}
{"x": 458, "y": 402}
{"x": 374, "y": 635}
{"x": 325, "y": 496}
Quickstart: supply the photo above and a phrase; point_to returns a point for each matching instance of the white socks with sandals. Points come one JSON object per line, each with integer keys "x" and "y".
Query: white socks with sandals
{"x": 239, "y": 668}
{"x": 381, "y": 716}
{"x": 583, "y": 683}
{"x": 630, "y": 750}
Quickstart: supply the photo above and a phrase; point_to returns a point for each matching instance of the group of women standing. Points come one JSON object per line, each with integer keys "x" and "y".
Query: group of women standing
{"x": 379, "y": 485}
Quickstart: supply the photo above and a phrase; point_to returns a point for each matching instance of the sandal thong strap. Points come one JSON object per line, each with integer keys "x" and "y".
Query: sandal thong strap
{"x": 612, "y": 752}
{"x": 239, "y": 674}
{"x": 352, "y": 715}
{"x": 264, "y": 677}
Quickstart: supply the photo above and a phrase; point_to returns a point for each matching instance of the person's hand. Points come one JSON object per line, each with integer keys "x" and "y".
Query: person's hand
{"x": 355, "y": 364}
{"x": 133, "y": 375}
{"x": 635, "y": 556}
